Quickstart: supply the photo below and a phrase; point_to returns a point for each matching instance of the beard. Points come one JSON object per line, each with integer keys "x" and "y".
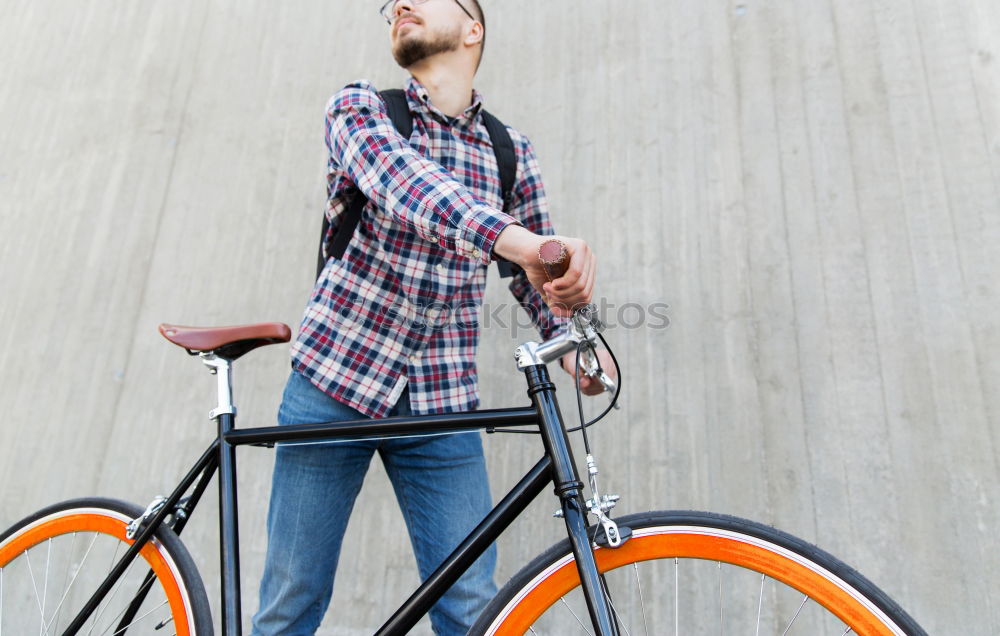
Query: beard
{"x": 410, "y": 50}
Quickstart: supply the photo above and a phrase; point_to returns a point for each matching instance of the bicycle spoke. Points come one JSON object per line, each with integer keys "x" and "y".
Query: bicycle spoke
{"x": 722, "y": 622}
{"x": 797, "y": 612}
{"x": 582, "y": 626}
{"x": 760, "y": 601}
{"x": 677, "y": 600}
{"x": 31, "y": 573}
{"x": 163, "y": 624}
{"x": 45, "y": 584}
{"x": 125, "y": 628}
{"x": 75, "y": 575}
{"x": 118, "y": 587}
{"x": 617, "y": 615}
{"x": 106, "y": 601}
{"x": 146, "y": 585}
{"x": 69, "y": 564}
{"x": 642, "y": 603}
{"x": 606, "y": 591}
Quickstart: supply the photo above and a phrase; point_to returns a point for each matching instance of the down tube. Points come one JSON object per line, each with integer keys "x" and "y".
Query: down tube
{"x": 512, "y": 505}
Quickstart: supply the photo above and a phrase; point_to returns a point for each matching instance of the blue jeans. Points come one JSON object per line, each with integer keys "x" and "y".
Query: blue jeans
{"x": 442, "y": 490}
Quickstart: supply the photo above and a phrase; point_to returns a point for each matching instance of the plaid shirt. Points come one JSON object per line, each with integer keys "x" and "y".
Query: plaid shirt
{"x": 402, "y": 305}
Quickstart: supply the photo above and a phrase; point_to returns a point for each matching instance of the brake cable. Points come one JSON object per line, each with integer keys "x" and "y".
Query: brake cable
{"x": 584, "y": 425}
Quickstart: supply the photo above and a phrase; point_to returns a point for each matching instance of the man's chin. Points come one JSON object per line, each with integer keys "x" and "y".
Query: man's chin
{"x": 406, "y": 63}
{"x": 412, "y": 46}
{"x": 407, "y": 56}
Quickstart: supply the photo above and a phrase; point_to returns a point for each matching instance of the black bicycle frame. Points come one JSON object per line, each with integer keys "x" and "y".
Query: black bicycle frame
{"x": 556, "y": 466}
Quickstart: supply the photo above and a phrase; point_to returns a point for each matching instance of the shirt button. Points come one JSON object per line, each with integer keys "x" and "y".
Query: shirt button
{"x": 415, "y": 357}
{"x": 476, "y": 252}
{"x": 440, "y": 268}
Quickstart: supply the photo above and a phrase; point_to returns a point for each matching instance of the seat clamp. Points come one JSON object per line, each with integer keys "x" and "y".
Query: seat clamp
{"x": 216, "y": 412}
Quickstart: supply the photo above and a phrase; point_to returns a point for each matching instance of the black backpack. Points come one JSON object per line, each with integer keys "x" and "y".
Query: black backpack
{"x": 399, "y": 113}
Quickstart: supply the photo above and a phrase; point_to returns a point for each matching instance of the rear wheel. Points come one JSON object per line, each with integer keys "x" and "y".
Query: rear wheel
{"x": 52, "y": 561}
{"x": 695, "y": 573}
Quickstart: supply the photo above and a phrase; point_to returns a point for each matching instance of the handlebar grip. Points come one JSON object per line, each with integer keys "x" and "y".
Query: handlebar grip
{"x": 554, "y": 256}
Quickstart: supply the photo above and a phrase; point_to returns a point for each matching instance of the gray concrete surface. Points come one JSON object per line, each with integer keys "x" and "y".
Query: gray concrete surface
{"x": 811, "y": 187}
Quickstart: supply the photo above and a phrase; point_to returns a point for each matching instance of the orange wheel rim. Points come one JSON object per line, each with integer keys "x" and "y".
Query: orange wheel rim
{"x": 95, "y": 522}
{"x": 700, "y": 546}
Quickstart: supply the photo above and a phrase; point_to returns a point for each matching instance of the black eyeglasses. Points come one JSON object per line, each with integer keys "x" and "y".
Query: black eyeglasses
{"x": 388, "y": 10}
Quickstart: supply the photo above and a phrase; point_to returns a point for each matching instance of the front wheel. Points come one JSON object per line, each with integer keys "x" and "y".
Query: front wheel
{"x": 52, "y": 561}
{"x": 698, "y": 573}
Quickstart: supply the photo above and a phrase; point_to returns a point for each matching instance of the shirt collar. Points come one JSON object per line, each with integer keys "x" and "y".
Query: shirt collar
{"x": 419, "y": 96}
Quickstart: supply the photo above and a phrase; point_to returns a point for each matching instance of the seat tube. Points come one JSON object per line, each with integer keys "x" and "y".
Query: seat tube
{"x": 229, "y": 541}
{"x": 569, "y": 489}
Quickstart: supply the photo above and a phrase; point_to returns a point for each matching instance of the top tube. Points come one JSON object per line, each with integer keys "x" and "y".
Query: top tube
{"x": 351, "y": 430}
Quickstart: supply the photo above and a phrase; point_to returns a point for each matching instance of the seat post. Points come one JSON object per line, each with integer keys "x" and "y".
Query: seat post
{"x": 222, "y": 369}
{"x": 229, "y": 540}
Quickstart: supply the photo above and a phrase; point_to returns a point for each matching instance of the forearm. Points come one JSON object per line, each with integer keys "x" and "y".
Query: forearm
{"x": 517, "y": 244}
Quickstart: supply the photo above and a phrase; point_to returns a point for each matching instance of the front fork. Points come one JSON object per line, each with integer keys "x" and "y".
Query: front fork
{"x": 569, "y": 489}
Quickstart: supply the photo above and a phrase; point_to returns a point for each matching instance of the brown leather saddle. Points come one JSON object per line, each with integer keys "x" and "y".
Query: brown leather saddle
{"x": 226, "y": 342}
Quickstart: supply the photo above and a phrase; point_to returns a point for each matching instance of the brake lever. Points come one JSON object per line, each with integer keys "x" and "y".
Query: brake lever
{"x": 587, "y": 321}
{"x": 592, "y": 369}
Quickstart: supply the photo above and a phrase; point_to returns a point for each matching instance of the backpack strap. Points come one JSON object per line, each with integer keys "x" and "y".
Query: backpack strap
{"x": 503, "y": 148}
{"x": 399, "y": 110}
{"x": 399, "y": 113}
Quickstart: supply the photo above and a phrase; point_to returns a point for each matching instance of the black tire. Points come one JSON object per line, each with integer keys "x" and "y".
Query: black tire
{"x": 705, "y": 572}
{"x": 53, "y": 560}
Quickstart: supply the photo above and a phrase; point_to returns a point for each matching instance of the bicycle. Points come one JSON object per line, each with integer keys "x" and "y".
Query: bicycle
{"x": 601, "y": 577}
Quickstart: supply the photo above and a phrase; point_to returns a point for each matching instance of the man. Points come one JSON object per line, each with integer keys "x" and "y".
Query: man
{"x": 387, "y": 330}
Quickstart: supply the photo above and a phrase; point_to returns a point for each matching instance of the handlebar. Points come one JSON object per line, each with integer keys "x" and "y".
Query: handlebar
{"x": 554, "y": 256}
{"x": 584, "y": 326}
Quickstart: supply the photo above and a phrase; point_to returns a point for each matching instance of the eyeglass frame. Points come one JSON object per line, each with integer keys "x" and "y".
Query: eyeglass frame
{"x": 385, "y": 11}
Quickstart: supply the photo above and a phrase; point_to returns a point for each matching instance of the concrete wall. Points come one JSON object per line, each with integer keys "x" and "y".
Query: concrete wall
{"x": 810, "y": 186}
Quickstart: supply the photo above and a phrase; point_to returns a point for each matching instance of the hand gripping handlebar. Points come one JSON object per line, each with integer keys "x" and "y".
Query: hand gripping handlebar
{"x": 584, "y": 324}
